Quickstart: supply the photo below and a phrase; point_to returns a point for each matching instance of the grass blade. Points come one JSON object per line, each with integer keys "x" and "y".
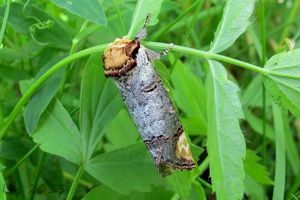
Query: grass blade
{"x": 279, "y": 182}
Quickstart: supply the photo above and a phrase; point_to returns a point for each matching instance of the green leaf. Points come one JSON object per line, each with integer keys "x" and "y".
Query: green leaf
{"x": 106, "y": 193}
{"x": 27, "y": 50}
{"x": 13, "y": 73}
{"x": 181, "y": 182}
{"x": 225, "y": 141}
{"x": 100, "y": 102}
{"x": 197, "y": 192}
{"x": 87, "y": 9}
{"x": 25, "y": 85}
{"x": 126, "y": 169}
{"x": 282, "y": 80}
{"x": 59, "y": 135}
{"x": 3, "y": 188}
{"x": 253, "y": 189}
{"x": 257, "y": 171}
{"x": 142, "y": 9}
{"x": 253, "y": 33}
{"x": 186, "y": 87}
{"x": 256, "y": 124}
{"x": 41, "y": 99}
{"x": 14, "y": 147}
{"x": 120, "y": 125}
{"x": 51, "y": 168}
{"x": 43, "y": 28}
{"x": 234, "y": 22}
{"x": 252, "y": 95}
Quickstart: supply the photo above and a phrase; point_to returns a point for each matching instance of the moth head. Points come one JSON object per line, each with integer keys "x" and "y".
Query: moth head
{"x": 119, "y": 56}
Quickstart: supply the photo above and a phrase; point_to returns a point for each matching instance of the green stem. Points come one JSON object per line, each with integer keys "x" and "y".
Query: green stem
{"x": 207, "y": 55}
{"x": 74, "y": 111}
{"x": 21, "y": 160}
{"x": 167, "y": 28}
{"x": 194, "y": 19}
{"x": 23, "y": 181}
{"x": 203, "y": 182}
{"x": 100, "y": 48}
{"x": 263, "y": 32}
{"x": 37, "y": 175}
{"x": 203, "y": 166}
{"x": 75, "y": 183}
{"x": 263, "y": 61}
{"x": 204, "y": 14}
{"x": 4, "y": 21}
{"x": 280, "y": 160}
{"x": 75, "y": 41}
{"x": 84, "y": 183}
{"x": 25, "y": 98}
{"x": 116, "y": 4}
{"x": 1, "y": 112}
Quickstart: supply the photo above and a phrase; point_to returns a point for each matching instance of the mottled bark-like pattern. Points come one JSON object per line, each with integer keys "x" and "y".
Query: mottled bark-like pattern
{"x": 153, "y": 113}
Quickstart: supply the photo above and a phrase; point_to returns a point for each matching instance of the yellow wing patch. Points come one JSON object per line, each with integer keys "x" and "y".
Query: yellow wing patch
{"x": 183, "y": 149}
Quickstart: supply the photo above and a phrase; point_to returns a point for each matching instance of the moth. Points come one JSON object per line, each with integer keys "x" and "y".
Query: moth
{"x": 130, "y": 64}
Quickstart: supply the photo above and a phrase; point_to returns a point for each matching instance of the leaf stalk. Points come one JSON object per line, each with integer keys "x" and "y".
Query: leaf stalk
{"x": 75, "y": 183}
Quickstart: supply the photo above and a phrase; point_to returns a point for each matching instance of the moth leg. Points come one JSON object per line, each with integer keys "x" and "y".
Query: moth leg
{"x": 143, "y": 33}
{"x": 166, "y": 50}
{"x": 152, "y": 55}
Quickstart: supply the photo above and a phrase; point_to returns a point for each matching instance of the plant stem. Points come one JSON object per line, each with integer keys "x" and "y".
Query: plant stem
{"x": 204, "y": 14}
{"x": 204, "y": 183}
{"x": 75, "y": 41}
{"x": 203, "y": 166}
{"x": 100, "y": 48}
{"x": 120, "y": 17}
{"x": 167, "y": 28}
{"x": 84, "y": 183}
{"x": 4, "y": 21}
{"x": 37, "y": 175}
{"x": 21, "y": 160}
{"x": 25, "y": 98}
{"x": 207, "y": 54}
{"x": 263, "y": 61}
{"x": 280, "y": 160}
{"x": 194, "y": 19}
{"x": 263, "y": 32}
{"x": 1, "y": 112}
{"x": 75, "y": 183}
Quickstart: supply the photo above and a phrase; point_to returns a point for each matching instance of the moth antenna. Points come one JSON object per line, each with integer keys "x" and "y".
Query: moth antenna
{"x": 143, "y": 33}
{"x": 147, "y": 20}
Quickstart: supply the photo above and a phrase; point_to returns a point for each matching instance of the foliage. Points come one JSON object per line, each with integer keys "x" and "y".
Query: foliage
{"x": 65, "y": 132}
{"x": 2, "y": 185}
{"x": 225, "y": 143}
{"x": 144, "y": 8}
{"x": 91, "y": 11}
{"x": 282, "y": 79}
